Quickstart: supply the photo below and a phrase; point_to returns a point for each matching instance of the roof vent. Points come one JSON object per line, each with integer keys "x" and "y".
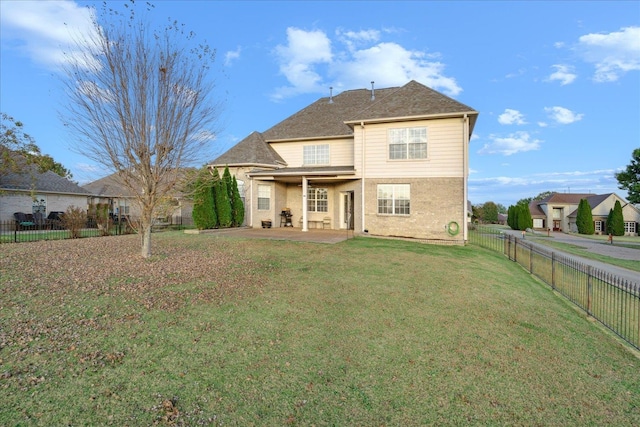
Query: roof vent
{"x": 373, "y": 92}
{"x": 331, "y": 95}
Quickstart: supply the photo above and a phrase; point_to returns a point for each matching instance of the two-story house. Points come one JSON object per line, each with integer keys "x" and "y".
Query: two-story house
{"x": 388, "y": 162}
{"x": 559, "y": 212}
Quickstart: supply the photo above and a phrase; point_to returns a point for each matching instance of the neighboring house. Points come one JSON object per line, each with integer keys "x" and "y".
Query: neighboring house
{"x": 31, "y": 191}
{"x": 388, "y": 162}
{"x": 121, "y": 200}
{"x": 560, "y": 210}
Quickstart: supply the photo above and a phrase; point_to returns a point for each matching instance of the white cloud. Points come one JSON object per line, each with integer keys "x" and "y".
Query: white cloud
{"x": 308, "y": 56}
{"x": 542, "y": 124}
{"x": 564, "y": 74}
{"x": 231, "y": 56}
{"x": 304, "y": 50}
{"x": 45, "y": 30}
{"x": 613, "y": 54}
{"x": 514, "y": 143}
{"x": 563, "y": 115}
{"x": 511, "y": 117}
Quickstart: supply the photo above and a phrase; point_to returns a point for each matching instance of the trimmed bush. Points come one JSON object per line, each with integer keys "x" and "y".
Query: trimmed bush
{"x": 584, "y": 219}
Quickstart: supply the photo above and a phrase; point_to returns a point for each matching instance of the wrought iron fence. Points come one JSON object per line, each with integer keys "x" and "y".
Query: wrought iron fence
{"x": 608, "y": 298}
{"x": 14, "y": 232}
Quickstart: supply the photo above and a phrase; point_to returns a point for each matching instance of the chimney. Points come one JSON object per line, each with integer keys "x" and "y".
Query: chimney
{"x": 373, "y": 92}
{"x": 331, "y": 95}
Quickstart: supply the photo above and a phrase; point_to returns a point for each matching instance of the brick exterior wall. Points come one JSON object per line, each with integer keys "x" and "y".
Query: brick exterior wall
{"x": 23, "y": 202}
{"x": 435, "y": 202}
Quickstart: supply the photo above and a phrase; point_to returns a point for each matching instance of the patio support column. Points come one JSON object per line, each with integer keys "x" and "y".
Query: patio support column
{"x": 305, "y": 184}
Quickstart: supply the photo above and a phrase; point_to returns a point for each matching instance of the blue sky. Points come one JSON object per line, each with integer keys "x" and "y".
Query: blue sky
{"x": 557, "y": 84}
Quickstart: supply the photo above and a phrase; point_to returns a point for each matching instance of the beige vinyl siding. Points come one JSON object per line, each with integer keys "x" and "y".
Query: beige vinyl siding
{"x": 444, "y": 150}
{"x": 340, "y": 152}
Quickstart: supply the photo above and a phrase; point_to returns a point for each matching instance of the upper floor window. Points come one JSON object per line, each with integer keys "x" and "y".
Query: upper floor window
{"x": 408, "y": 143}
{"x": 264, "y": 197}
{"x": 317, "y": 200}
{"x": 394, "y": 199}
{"x": 315, "y": 154}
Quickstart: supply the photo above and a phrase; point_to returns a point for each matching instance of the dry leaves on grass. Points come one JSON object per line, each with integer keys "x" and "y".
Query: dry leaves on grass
{"x": 51, "y": 289}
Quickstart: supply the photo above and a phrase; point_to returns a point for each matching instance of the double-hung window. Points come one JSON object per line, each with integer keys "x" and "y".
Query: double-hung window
{"x": 317, "y": 200}
{"x": 315, "y": 154}
{"x": 394, "y": 199}
{"x": 408, "y": 143}
{"x": 264, "y": 197}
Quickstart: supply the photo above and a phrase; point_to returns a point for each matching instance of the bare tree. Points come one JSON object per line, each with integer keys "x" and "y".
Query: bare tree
{"x": 140, "y": 104}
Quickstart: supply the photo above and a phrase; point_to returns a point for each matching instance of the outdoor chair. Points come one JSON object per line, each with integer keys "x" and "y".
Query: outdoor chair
{"x": 23, "y": 222}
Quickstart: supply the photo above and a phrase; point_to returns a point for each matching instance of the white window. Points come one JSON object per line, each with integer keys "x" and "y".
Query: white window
{"x": 538, "y": 222}
{"x": 408, "y": 143}
{"x": 317, "y": 200}
{"x": 315, "y": 154}
{"x": 39, "y": 205}
{"x": 394, "y": 199}
{"x": 598, "y": 226}
{"x": 629, "y": 227}
{"x": 557, "y": 213}
{"x": 264, "y": 197}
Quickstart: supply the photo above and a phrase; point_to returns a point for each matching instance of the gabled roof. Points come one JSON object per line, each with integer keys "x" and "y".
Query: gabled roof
{"x": 565, "y": 198}
{"x": 109, "y": 186}
{"x": 113, "y": 186}
{"x": 253, "y": 150}
{"x": 328, "y": 117}
{"x": 411, "y": 100}
{"x": 535, "y": 209}
{"x": 30, "y": 179}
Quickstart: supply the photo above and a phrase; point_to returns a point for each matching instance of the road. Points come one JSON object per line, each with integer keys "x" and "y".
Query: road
{"x": 596, "y": 247}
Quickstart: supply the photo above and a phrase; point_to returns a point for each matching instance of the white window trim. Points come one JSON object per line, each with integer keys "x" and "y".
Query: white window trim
{"x": 407, "y": 143}
{"x": 394, "y": 199}
{"x": 268, "y": 199}
{"x": 311, "y": 155}
{"x": 312, "y": 199}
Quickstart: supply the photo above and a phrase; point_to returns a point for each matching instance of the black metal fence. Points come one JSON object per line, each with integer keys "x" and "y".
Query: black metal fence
{"x": 608, "y": 298}
{"x": 13, "y": 232}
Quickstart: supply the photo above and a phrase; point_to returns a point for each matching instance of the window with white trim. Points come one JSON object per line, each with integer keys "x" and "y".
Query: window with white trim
{"x": 407, "y": 143}
{"x": 394, "y": 199}
{"x": 264, "y": 197}
{"x": 315, "y": 154}
{"x": 629, "y": 227}
{"x": 317, "y": 200}
{"x": 598, "y": 226}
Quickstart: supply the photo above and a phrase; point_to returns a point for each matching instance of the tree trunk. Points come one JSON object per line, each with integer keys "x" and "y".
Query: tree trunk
{"x": 146, "y": 240}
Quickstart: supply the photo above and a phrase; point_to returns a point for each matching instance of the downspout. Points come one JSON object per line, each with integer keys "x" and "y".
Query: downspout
{"x": 305, "y": 183}
{"x": 362, "y": 201}
{"x": 251, "y": 203}
{"x": 465, "y": 161}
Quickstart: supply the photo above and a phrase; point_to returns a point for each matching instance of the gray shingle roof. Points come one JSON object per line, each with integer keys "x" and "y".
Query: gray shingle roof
{"x": 109, "y": 186}
{"x": 48, "y": 182}
{"x": 327, "y": 116}
{"x": 253, "y": 150}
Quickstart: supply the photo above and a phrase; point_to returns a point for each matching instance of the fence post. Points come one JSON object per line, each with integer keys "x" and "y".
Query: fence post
{"x": 530, "y": 258}
{"x": 553, "y": 271}
{"x": 589, "y": 290}
{"x": 515, "y": 249}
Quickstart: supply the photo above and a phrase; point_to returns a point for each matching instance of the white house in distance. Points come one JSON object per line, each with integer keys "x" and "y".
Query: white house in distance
{"x": 559, "y": 211}
{"x": 387, "y": 162}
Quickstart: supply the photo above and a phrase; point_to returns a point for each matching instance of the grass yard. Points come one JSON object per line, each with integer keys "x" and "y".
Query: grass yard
{"x": 226, "y": 331}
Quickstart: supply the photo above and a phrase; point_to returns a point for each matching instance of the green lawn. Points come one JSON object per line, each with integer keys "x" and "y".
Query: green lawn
{"x": 226, "y": 331}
